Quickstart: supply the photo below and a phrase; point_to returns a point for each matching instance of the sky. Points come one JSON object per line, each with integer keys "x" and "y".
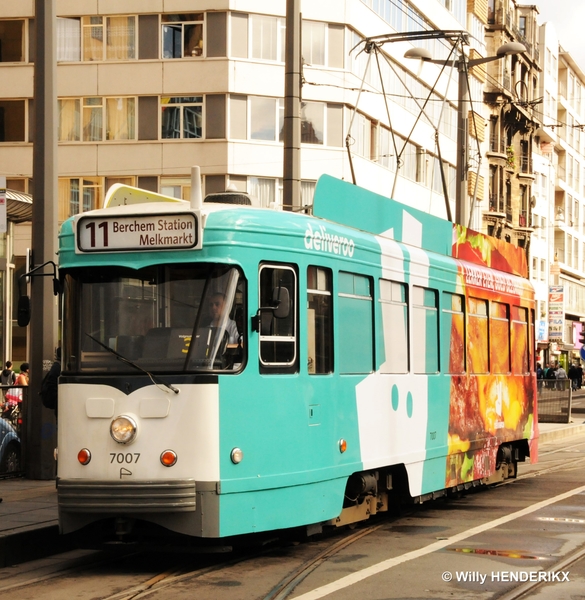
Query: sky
{"x": 568, "y": 17}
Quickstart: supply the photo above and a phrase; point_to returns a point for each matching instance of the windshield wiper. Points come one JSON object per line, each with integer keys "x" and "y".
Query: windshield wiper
{"x": 123, "y": 359}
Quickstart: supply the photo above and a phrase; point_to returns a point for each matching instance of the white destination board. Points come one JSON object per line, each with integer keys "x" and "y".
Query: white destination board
{"x": 153, "y": 232}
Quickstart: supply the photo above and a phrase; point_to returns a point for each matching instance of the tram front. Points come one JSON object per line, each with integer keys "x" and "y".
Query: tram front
{"x": 143, "y": 347}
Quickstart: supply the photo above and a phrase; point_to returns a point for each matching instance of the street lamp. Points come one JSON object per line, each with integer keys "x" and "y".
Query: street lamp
{"x": 464, "y": 63}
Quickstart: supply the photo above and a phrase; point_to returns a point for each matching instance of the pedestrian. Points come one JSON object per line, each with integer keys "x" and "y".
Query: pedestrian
{"x": 561, "y": 375}
{"x": 550, "y": 375}
{"x": 539, "y": 371}
{"x": 8, "y": 376}
{"x": 579, "y": 376}
{"x": 573, "y": 376}
{"x": 22, "y": 377}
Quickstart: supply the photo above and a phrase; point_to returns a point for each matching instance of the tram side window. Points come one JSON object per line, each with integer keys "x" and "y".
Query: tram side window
{"x": 453, "y": 329}
{"x": 425, "y": 330}
{"x": 278, "y": 319}
{"x": 319, "y": 321}
{"x": 477, "y": 336}
{"x": 519, "y": 340}
{"x": 500, "y": 338}
{"x": 394, "y": 304}
{"x": 356, "y": 329}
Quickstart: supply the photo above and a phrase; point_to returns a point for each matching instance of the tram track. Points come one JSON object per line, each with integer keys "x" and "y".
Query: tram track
{"x": 183, "y": 572}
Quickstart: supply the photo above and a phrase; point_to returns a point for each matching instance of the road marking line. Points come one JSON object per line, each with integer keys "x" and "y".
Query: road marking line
{"x": 358, "y": 576}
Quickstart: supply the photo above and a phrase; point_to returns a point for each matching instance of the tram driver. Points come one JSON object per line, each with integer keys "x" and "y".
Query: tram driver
{"x": 216, "y": 313}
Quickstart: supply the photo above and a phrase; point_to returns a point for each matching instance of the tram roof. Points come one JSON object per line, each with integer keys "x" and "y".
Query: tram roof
{"x": 342, "y": 205}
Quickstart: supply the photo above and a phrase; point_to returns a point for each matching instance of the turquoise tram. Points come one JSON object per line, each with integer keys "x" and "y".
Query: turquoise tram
{"x": 229, "y": 369}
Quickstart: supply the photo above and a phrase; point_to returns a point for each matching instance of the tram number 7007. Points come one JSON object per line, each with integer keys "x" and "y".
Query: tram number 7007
{"x": 122, "y": 458}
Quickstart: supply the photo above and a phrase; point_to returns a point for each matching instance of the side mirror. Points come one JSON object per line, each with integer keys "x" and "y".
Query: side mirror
{"x": 281, "y": 302}
{"x": 23, "y": 315}
{"x": 279, "y": 309}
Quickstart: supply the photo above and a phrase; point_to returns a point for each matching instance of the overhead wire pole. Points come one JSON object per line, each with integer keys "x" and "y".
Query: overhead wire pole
{"x": 40, "y": 423}
{"x": 292, "y": 107}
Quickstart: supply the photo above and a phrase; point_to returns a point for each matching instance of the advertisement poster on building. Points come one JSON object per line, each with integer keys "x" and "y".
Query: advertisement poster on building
{"x": 556, "y": 313}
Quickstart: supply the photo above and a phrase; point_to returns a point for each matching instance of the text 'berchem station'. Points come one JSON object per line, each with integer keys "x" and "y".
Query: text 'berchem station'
{"x": 158, "y": 232}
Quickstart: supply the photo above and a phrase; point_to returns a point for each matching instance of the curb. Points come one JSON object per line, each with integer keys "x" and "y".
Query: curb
{"x": 560, "y": 433}
{"x": 29, "y": 544}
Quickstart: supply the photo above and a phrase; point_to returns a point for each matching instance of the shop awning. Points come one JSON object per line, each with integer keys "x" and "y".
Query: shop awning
{"x": 18, "y": 206}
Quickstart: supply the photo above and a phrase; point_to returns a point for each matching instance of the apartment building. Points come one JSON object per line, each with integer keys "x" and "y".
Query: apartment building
{"x": 148, "y": 88}
{"x": 511, "y": 95}
{"x": 558, "y": 259}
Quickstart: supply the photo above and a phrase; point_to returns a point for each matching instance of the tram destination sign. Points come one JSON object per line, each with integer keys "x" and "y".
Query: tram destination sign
{"x": 173, "y": 231}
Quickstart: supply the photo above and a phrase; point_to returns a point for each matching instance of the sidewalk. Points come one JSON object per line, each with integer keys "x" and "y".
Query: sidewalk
{"x": 28, "y": 511}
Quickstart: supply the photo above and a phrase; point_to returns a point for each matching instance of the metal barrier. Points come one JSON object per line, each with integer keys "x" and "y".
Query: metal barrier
{"x": 12, "y": 428}
{"x": 554, "y": 400}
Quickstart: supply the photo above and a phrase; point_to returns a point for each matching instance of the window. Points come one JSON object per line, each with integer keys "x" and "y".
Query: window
{"x": 267, "y": 37}
{"x": 313, "y": 37}
{"x": 361, "y": 135}
{"x": 182, "y": 35}
{"x": 109, "y": 38}
{"x": 93, "y": 119}
{"x": 278, "y": 323}
{"x": 12, "y": 45}
{"x": 453, "y": 325}
{"x": 176, "y": 187}
{"x": 519, "y": 341}
{"x": 266, "y": 118}
{"x": 12, "y": 120}
{"x": 77, "y": 195}
{"x": 182, "y": 117}
{"x": 166, "y": 318}
{"x": 94, "y": 38}
{"x": 68, "y": 40}
{"x": 385, "y": 149}
{"x": 120, "y": 119}
{"x": 356, "y": 343}
{"x": 394, "y": 304}
{"x": 425, "y": 330}
{"x": 500, "y": 338}
{"x": 319, "y": 321}
{"x": 263, "y": 189}
{"x": 477, "y": 336}
{"x": 110, "y": 181}
{"x": 413, "y": 157}
{"x": 312, "y": 122}
{"x": 522, "y": 26}
{"x": 307, "y": 192}
{"x": 69, "y": 120}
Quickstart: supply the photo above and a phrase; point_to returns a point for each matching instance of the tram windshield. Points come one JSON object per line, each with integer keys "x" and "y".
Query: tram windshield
{"x": 162, "y": 319}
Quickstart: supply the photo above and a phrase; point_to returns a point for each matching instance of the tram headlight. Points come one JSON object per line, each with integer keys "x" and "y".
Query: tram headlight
{"x": 237, "y": 455}
{"x": 123, "y": 429}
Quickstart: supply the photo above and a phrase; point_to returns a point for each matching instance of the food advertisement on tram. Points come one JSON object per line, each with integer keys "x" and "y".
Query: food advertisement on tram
{"x": 492, "y": 391}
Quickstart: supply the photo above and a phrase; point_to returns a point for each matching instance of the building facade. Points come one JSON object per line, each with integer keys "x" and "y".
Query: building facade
{"x": 148, "y": 88}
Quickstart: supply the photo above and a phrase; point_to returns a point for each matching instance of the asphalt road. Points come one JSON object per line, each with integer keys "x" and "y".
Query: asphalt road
{"x": 487, "y": 544}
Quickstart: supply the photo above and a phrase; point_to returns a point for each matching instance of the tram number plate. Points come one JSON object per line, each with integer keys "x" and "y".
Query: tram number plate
{"x": 124, "y": 458}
